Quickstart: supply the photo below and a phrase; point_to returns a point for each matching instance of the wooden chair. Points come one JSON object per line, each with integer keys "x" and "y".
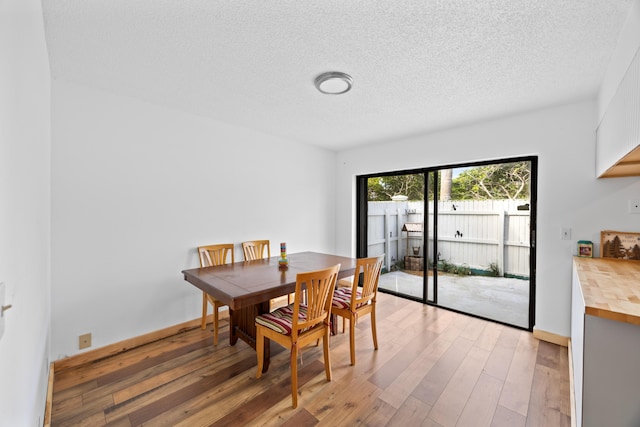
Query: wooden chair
{"x": 359, "y": 299}
{"x": 298, "y": 325}
{"x": 209, "y": 256}
{"x": 255, "y": 249}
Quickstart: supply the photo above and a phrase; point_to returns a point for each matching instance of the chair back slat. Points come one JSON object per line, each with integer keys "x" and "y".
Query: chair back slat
{"x": 370, "y": 269}
{"x": 211, "y": 255}
{"x": 319, "y": 286}
{"x": 255, "y": 249}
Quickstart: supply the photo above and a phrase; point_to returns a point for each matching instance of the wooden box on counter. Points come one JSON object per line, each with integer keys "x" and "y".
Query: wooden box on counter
{"x": 620, "y": 245}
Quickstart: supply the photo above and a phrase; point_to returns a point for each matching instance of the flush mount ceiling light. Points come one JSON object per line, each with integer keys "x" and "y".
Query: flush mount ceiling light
{"x": 333, "y": 82}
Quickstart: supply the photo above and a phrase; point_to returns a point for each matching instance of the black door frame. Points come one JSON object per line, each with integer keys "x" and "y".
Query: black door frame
{"x": 362, "y": 224}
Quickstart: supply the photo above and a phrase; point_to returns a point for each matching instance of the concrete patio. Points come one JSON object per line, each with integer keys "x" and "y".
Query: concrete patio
{"x": 497, "y": 298}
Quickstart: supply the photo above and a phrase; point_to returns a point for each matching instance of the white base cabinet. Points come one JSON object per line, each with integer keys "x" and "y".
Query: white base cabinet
{"x": 606, "y": 367}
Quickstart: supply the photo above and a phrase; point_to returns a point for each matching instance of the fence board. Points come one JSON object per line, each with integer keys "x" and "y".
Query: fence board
{"x": 472, "y": 233}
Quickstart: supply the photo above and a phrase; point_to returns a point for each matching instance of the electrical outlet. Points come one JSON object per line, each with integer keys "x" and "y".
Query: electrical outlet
{"x": 84, "y": 341}
{"x": 565, "y": 233}
{"x": 634, "y": 206}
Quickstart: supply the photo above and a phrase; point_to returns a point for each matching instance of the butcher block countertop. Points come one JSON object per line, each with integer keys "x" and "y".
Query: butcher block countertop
{"x": 610, "y": 287}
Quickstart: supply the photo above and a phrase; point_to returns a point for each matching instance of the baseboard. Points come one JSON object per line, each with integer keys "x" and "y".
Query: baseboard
{"x": 128, "y": 344}
{"x": 551, "y": 337}
{"x": 49, "y": 403}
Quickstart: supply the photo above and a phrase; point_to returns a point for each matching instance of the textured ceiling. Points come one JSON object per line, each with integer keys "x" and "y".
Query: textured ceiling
{"x": 417, "y": 65}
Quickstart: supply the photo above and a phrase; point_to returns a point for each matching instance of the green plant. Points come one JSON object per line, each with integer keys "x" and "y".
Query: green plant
{"x": 462, "y": 270}
{"x": 494, "y": 269}
{"x": 447, "y": 267}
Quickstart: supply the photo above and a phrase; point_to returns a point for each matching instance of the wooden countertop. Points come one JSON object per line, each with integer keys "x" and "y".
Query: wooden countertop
{"x": 610, "y": 287}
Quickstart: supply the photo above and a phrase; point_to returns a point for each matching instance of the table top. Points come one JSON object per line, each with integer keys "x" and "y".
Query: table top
{"x": 247, "y": 283}
{"x": 610, "y": 288}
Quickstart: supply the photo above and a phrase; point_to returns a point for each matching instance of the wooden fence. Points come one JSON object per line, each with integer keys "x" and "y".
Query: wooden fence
{"x": 475, "y": 234}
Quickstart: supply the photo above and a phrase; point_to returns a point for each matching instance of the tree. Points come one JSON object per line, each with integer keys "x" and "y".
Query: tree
{"x": 613, "y": 248}
{"x": 383, "y": 188}
{"x": 445, "y": 184}
{"x": 496, "y": 181}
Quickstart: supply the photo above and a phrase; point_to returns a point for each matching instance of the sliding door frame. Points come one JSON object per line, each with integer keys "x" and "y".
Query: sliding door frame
{"x": 362, "y": 224}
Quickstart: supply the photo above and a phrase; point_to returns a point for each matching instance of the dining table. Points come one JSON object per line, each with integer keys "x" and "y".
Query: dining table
{"x": 248, "y": 286}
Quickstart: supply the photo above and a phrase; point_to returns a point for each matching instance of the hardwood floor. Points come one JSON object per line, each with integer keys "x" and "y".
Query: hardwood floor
{"x": 433, "y": 368}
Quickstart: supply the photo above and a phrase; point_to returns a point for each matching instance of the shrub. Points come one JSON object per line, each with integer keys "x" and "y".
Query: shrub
{"x": 494, "y": 269}
{"x": 447, "y": 267}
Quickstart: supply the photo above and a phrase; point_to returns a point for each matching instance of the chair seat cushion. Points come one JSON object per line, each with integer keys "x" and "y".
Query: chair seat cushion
{"x": 346, "y": 282}
{"x": 281, "y": 320}
{"x": 342, "y": 298}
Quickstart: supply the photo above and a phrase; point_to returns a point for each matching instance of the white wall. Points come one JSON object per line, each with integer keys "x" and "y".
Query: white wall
{"x": 569, "y": 195}
{"x": 24, "y": 212}
{"x": 137, "y": 187}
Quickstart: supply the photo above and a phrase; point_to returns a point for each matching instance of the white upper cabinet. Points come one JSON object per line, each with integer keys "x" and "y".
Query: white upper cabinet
{"x": 618, "y": 135}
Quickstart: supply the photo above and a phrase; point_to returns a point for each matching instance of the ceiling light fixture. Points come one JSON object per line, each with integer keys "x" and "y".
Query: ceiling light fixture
{"x": 333, "y": 82}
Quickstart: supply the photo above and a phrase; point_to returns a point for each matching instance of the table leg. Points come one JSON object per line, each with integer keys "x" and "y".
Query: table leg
{"x": 233, "y": 337}
{"x": 243, "y": 325}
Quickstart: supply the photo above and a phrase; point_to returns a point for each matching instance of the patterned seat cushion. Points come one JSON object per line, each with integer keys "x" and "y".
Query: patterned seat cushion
{"x": 342, "y": 298}
{"x": 281, "y": 320}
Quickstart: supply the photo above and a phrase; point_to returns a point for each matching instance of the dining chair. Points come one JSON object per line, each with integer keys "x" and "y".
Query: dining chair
{"x": 255, "y": 249}
{"x": 298, "y": 325}
{"x": 209, "y": 256}
{"x": 359, "y": 299}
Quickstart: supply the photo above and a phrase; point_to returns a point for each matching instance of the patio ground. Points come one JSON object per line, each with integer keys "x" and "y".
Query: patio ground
{"x": 498, "y": 298}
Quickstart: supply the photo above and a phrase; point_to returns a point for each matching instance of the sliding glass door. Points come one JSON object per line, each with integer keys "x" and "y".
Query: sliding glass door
{"x": 459, "y": 237}
{"x": 395, "y": 205}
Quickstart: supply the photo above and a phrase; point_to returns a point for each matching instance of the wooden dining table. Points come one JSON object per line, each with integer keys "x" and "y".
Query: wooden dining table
{"x": 248, "y": 286}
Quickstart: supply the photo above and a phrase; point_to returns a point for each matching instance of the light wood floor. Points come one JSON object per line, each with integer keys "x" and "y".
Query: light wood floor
{"x": 433, "y": 368}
